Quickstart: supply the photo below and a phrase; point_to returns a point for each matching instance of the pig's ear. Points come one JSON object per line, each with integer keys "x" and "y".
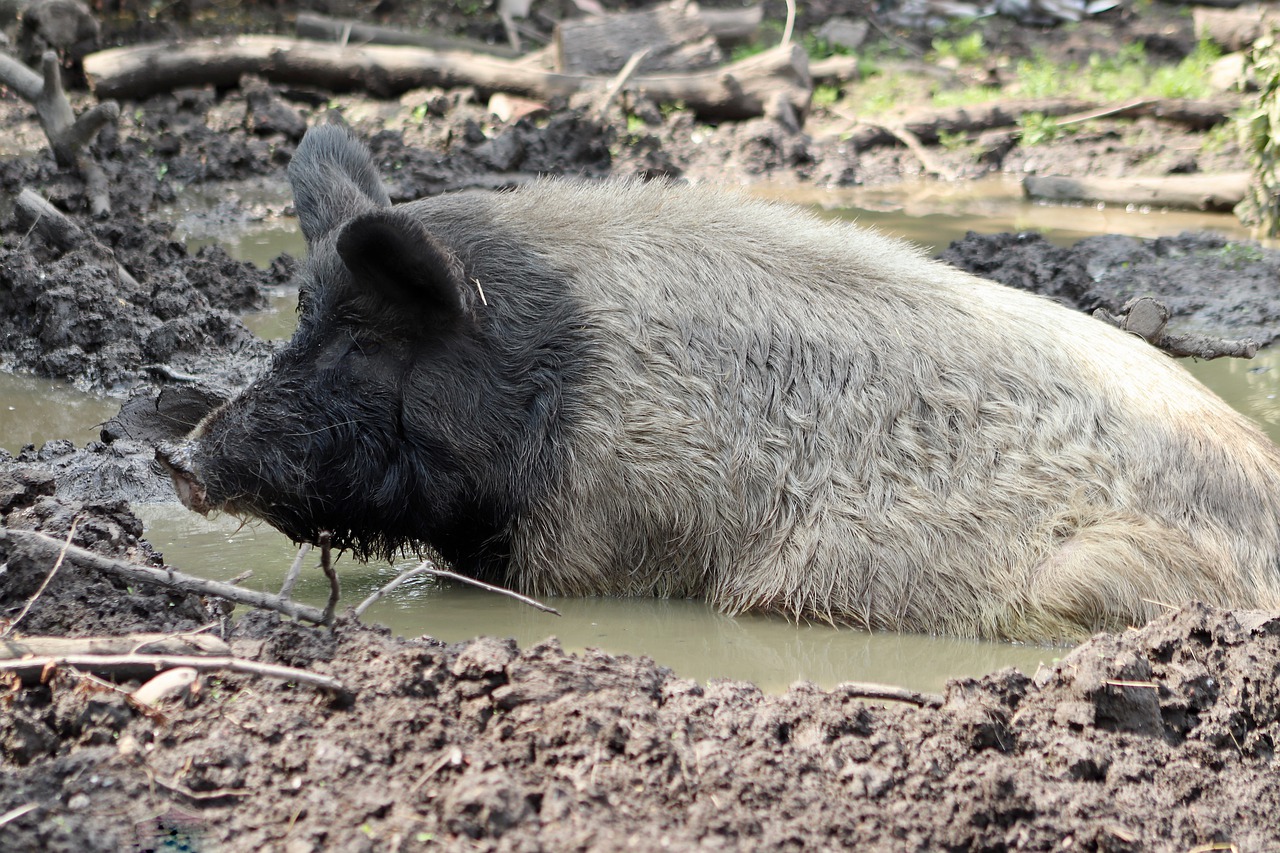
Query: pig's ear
{"x": 333, "y": 179}
{"x": 399, "y": 267}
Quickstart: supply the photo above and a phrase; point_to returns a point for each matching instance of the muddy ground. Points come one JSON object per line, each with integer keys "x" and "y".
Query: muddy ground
{"x": 1162, "y": 738}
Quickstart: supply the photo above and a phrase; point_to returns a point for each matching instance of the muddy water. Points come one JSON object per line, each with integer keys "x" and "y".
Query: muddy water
{"x": 691, "y": 638}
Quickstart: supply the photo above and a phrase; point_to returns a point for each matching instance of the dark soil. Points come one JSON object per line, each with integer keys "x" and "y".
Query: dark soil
{"x": 1161, "y": 738}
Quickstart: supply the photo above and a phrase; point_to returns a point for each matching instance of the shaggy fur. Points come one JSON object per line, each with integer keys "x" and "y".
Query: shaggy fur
{"x": 660, "y": 390}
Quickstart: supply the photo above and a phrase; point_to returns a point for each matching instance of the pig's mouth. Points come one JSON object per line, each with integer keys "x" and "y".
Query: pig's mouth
{"x": 177, "y": 461}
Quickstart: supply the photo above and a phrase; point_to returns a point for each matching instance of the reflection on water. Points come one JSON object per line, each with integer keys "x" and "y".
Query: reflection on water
{"x": 693, "y": 639}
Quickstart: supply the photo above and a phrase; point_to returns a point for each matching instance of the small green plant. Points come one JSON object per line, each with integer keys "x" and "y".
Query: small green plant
{"x": 953, "y": 141}
{"x": 825, "y": 94}
{"x": 635, "y": 125}
{"x": 1038, "y": 128}
{"x": 969, "y": 48}
{"x": 1236, "y": 256}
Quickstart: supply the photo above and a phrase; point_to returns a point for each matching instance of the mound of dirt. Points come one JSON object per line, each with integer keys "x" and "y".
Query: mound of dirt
{"x": 1211, "y": 285}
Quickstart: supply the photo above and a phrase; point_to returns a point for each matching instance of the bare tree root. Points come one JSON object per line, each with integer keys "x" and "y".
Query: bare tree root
{"x": 69, "y": 136}
{"x": 1147, "y": 317}
{"x": 49, "y": 547}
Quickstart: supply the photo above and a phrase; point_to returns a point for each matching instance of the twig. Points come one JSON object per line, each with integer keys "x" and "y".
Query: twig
{"x": 887, "y": 693}
{"x": 13, "y": 814}
{"x": 326, "y": 564}
{"x": 57, "y": 564}
{"x": 615, "y": 86}
{"x": 167, "y": 578}
{"x": 1107, "y": 112}
{"x": 916, "y": 147}
{"x": 426, "y": 567}
{"x": 791, "y": 23}
{"x": 291, "y": 577}
{"x": 1147, "y": 318}
{"x": 34, "y": 670}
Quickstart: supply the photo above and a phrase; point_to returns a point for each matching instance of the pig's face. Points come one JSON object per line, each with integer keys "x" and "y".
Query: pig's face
{"x": 328, "y": 439}
{"x": 372, "y": 422}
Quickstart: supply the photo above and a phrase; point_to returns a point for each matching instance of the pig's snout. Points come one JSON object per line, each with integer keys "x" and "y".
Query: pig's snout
{"x": 176, "y": 459}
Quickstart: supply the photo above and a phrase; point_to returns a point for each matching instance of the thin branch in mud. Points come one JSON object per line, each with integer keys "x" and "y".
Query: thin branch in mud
{"x": 1147, "y": 318}
{"x": 57, "y": 564}
{"x": 168, "y": 578}
{"x": 326, "y": 564}
{"x": 887, "y": 693}
{"x": 426, "y": 567}
{"x": 13, "y": 814}
{"x": 295, "y": 570}
{"x": 612, "y": 92}
{"x": 34, "y": 670}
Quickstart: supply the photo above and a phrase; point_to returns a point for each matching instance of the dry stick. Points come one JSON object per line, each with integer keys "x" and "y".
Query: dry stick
{"x": 614, "y": 88}
{"x": 887, "y": 693}
{"x": 291, "y": 577}
{"x": 34, "y": 669}
{"x": 57, "y": 564}
{"x": 917, "y": 148}
{"x": 426, "y": 567}
{"x": 1106, "y": 112}
{"x": 791, "y": 23}
{"x": 168, "y": 578}
{"x": 326, "y": 563}
{"x": 13, "y": 814}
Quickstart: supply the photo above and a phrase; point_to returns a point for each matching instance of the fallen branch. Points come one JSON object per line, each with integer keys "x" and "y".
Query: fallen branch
{"x": 426, "y": 567}
{"x": 36, "y": 670}
{"x": 48, "y": 547}
{"x": 326, "y": 565}
{"x": 34, "y": 213}
{"x": 887, "y": 693}
{"x": 162, "y": 644}
{"x": 735, "y": 91}
{"x": 1147, "y": 318}
{"x": 1220, "y": 192}
{"x": 69, "y": 136}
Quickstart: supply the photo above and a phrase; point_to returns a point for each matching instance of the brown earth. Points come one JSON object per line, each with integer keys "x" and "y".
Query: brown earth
{"x": 1162, "y": 738}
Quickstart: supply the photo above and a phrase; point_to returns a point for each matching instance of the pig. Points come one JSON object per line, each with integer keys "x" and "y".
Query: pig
{"x": 648, "y": 389}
